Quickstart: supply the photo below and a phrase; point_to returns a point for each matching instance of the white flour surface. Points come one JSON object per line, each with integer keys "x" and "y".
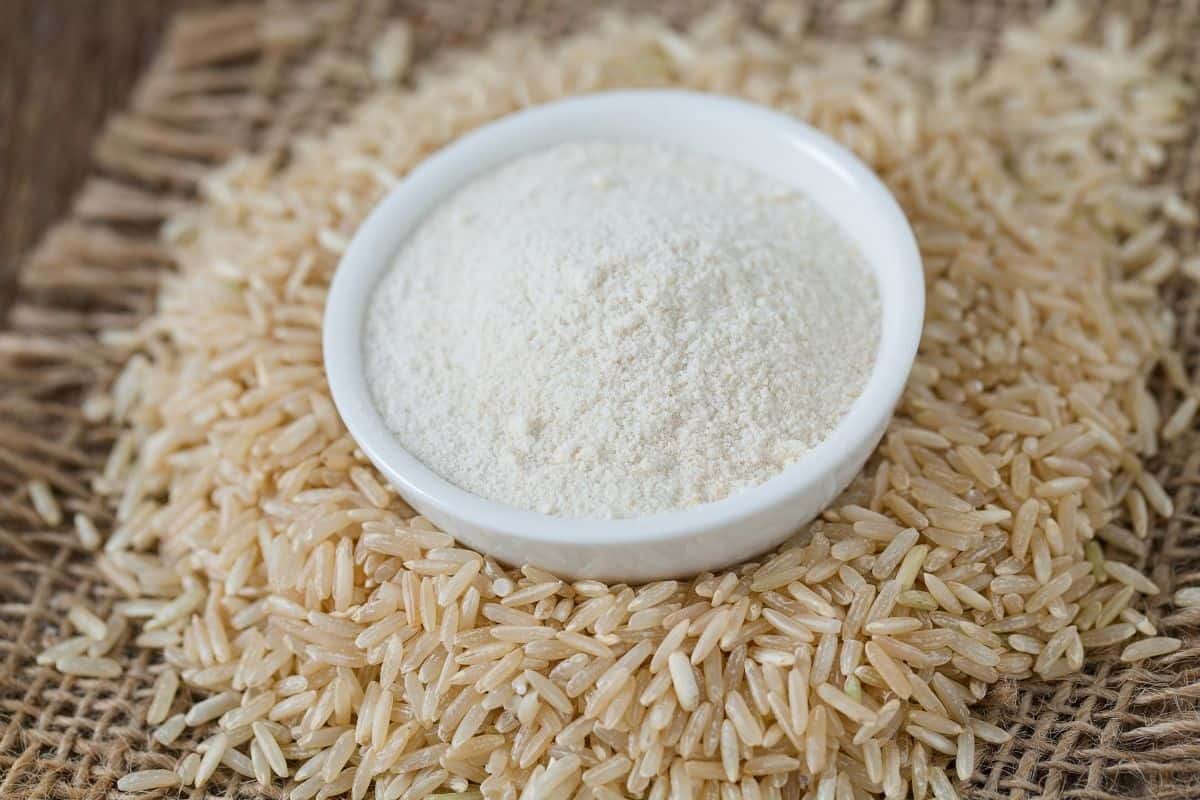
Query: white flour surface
{"x": 612, "y": 329}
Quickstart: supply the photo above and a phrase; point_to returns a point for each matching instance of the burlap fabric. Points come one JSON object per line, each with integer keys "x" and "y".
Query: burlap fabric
{"x": 254, "y": 77}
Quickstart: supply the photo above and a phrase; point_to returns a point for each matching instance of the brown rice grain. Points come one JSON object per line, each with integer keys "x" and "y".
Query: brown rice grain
{"x": 1130, "y": 577}
{"x": 1149, "y": 648}
{"x": 87, "y": 623}
{"x": 88, "y": 667}
{"x": 212, "y": 757}
{"x": 147, "y": 779}
{"x": 163, "y": 696}
{"x": 43, "y": 502}
{"x": 169, "y": 731}
{"x": 74, "y": 646}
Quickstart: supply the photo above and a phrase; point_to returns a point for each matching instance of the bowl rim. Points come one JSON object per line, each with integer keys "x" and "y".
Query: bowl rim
{"x": 375, "y": 241}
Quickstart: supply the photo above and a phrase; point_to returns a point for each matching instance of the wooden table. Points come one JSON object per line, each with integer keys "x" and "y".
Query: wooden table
{"x": 64, "y": 66}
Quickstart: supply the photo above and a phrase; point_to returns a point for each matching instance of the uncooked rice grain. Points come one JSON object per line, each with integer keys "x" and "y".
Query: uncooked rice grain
{"x": 169, "y": 731}
{"x": 74, "y": 646}
{"x": 147, "y": 779}
{"x": 165, "y": 686}
{"x": 1149, "y": 648}
{"x": 188, "y": 768}
{"x": 44, "y": 502}
{"x": 1130, "y": 577}
{"x": 87, "y": 623}
{"x": 85, "y": 529}
{"x": 88, "y": 667}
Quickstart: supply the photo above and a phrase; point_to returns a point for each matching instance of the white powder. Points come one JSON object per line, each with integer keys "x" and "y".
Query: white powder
{"x": 612, "y": 329}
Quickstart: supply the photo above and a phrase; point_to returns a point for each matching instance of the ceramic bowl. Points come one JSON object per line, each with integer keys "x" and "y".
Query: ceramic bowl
{"x": 676, "y": 543}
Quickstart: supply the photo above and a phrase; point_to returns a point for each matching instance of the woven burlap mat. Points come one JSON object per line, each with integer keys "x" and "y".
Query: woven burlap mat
{"x": 253, "y": 78}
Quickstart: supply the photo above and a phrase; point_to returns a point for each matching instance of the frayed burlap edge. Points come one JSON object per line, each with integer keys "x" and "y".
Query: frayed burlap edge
{"x": 252, "y": 78}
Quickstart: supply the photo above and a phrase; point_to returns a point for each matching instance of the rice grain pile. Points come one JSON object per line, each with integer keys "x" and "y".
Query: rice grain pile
{"x": 347, "y": 646}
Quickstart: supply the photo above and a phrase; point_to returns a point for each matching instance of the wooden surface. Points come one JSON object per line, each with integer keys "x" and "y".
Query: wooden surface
{"x": 64, "y": 65}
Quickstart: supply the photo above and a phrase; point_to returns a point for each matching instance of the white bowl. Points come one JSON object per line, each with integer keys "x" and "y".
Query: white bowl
{"x": 677, "y": 543}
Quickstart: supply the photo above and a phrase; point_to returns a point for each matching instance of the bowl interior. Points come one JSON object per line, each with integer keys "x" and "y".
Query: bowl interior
{"x": 763, "y": 140}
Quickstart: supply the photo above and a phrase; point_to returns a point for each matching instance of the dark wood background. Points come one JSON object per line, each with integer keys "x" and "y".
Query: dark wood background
{"x": 64, "y": 65}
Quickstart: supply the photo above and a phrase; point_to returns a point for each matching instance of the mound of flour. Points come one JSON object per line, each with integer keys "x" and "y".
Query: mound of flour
{"x": 610, "y": 329}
